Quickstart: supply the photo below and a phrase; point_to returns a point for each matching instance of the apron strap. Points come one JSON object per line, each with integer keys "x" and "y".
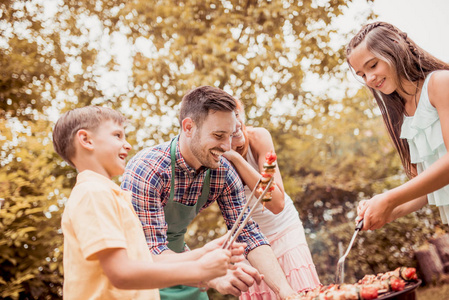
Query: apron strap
{"x": 177, "y": 215}
{"x": 175, "y": 233}
{"x": 173, "y": 161}
{"x": 206, "y": 185}
{"x": 182, "y": 292}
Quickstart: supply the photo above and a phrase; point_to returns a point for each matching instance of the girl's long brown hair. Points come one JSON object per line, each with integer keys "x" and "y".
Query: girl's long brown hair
{"x": 409, "y": 61}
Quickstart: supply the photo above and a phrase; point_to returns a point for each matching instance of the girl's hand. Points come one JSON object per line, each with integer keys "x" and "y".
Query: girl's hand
{"x": 376, "y": 212}
{"x": 361, "y": 210}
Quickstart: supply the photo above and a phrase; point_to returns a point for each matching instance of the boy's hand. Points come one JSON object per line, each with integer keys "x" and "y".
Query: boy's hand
{"x": 237, "y": 249}
{"x": 215, "y": 244}
{"x": 214, "y": 264}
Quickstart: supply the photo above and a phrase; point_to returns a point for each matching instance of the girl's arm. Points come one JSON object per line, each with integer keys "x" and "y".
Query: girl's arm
{"x": 408, "y": 207}
{"x": 261, "y": 142}
{"x": 377, "y": 213}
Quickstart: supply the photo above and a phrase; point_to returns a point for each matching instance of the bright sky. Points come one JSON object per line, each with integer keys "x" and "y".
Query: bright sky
{"x": 425, "y": 22}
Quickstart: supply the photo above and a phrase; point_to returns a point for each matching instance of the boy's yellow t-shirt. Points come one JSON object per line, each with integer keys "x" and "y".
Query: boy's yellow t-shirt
{"x": 97, "y": 216}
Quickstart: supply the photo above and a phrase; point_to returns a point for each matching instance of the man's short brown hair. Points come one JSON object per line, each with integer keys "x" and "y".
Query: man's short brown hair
{"x": 197, "y": 103}
{"x": 88, "y": 118}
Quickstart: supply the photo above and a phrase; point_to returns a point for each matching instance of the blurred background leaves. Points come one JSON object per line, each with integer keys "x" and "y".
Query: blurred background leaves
{"x": 141, "y": 57}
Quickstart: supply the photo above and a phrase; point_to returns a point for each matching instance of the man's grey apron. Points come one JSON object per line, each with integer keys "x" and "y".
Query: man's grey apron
{"x": 178, "y": 216}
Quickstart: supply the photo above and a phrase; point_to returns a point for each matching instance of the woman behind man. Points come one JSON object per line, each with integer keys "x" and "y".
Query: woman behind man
{"x": 280, "y": 222}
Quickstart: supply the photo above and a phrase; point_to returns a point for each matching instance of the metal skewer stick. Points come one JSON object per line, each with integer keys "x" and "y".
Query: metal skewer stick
{"x": 236, "y": 223}
{"x": 340, "y": 275}
{"x": 237, "y": 233}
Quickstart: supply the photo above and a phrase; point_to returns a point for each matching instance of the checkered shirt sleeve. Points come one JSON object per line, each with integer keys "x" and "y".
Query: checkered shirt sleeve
{"x": 149, "y": 188}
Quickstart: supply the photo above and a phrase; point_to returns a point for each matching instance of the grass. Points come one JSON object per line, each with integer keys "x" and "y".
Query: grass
{"x": 440, "y": 292}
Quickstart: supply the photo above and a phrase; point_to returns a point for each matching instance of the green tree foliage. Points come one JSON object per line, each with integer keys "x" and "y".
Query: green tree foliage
{"x": 36, "y": 55}
{"x": 251, "y": 48}
{"x": 31, "y": 243}
{"x": 39, "y": 45}
{"x": 55, "y": 55}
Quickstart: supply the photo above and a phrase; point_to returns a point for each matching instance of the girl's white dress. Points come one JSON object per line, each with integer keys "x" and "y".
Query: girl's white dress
{"x": 425, "y": 138}
{"x": 286, "y": 235}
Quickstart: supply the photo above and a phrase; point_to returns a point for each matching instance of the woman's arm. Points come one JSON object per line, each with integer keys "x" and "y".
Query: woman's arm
{"x": 261, "y": 142}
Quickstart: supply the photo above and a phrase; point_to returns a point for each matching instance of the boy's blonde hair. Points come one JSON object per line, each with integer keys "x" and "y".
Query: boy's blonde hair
{"x": 88, "y": 118}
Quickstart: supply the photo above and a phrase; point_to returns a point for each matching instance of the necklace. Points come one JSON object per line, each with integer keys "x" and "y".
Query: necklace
{"x": 416, "y": 101}
{"x": 416, "y": 93}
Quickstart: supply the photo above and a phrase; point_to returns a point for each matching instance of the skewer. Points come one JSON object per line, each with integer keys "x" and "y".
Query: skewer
{"x": 240, "y": 228}
{"x": 236, "y": 223}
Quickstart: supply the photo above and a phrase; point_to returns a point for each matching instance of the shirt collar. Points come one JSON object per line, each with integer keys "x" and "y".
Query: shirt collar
{"x": 181, "y": 162}
{"x": 89, "y": 176}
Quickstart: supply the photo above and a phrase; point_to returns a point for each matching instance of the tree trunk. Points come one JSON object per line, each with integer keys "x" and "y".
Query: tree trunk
{"x": 429, "y": 263}
{"x": 442, "y": 245}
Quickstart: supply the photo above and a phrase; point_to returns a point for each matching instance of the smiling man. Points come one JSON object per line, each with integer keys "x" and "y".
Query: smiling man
{"x": 174, "y": 181}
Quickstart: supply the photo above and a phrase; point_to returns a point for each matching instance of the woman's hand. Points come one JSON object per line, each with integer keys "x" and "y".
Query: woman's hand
{"x": 231, "y": 155}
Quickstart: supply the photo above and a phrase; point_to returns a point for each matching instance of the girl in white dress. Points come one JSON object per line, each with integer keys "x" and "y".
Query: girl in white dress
{"x": 411, "y": 88}
{"x": 279, "y": 221}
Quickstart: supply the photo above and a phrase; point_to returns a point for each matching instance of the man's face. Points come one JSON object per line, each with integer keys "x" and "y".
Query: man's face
{"x": 210, "y": 141}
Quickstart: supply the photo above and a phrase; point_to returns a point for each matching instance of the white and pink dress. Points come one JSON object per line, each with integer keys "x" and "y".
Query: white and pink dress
{"x": 286, "y": 235}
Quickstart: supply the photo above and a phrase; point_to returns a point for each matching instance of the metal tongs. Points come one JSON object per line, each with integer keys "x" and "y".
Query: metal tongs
{"x": 340, "y": 276}
{"x": 236, "y": 229}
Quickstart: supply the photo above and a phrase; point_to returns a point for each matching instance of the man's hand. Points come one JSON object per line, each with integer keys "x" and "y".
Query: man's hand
{"x": 237, "y": 280}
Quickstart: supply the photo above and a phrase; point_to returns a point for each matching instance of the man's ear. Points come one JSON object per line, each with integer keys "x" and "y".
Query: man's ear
{"x": 84, "y": 139}
{"x": 188, "y": 126}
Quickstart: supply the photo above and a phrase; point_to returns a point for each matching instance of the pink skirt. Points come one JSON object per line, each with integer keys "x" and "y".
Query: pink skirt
{"x": 293, "y": 254}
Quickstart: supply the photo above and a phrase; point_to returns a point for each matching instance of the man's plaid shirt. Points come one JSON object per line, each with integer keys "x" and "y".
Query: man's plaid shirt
{"x": 148, "y": 177}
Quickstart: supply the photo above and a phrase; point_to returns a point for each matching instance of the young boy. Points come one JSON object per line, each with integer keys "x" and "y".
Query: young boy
{"x": 105, "y": 252}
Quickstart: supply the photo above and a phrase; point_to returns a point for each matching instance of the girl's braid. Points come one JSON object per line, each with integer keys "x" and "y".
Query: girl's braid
{"x": 403, "y": 35}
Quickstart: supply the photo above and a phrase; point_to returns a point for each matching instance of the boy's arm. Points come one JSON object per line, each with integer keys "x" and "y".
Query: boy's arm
{"x": 128, "y": 274}
{"x": 237, "y": 250}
